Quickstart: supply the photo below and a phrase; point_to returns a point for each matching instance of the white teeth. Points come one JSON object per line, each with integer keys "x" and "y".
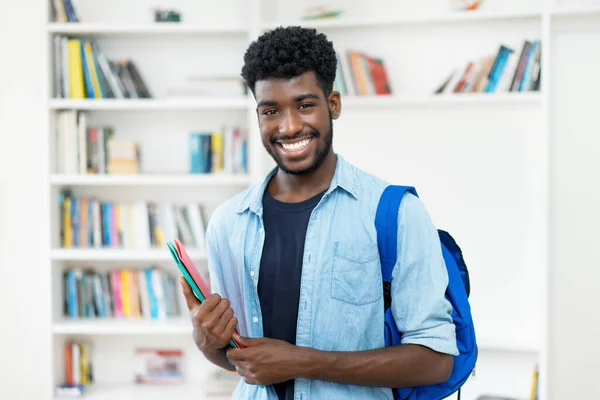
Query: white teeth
{"x": 295, "y": 146}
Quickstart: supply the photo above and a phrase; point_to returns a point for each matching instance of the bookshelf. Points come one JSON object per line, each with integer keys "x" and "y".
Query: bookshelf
{"x": 486, "y": 143}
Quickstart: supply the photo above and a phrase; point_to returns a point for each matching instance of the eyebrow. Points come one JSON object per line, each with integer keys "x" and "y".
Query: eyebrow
{"x": 299, "y": 98}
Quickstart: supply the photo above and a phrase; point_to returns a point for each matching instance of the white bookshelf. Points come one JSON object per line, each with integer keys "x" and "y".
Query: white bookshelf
{"x": 170, "y": 326}
{"x": 84, "y": 254}
{"x": 173, "y": 104}
{"x": 151, "y": 180}
{"x": 486, "y": 145}
{"x": 128, "y": 392}
{"x": 422, "y": 18}
{"x": 113, "y": 29}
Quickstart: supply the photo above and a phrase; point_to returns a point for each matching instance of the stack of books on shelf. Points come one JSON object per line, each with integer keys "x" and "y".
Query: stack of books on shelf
{"x": 158, "y": 366}
{"x": 78, "y": 370}
{"x": 65, "y": 11}
{"x": 120, "y": 293}
{"x": 361, "y": 74}
{"x": 507, "y": 70}
{"x": 223, "y": 151}
{"x": 82, "y": 71}
{"x": 89, "y": 149}
{"x": 84, "y": 149}
{"x": 88, "y": 222}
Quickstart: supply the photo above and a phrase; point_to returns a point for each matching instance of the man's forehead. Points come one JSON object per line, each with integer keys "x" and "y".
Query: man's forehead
{"x": 290, "y": 86}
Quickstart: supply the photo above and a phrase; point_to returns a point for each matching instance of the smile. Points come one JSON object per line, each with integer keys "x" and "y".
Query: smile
{"x": 295, "y": 146}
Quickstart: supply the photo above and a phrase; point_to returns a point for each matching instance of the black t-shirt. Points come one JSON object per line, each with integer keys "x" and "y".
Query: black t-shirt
{"x": 281, "y": 269}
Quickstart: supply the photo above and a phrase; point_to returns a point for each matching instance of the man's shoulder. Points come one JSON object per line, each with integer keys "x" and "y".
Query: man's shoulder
{"x": 372, "y": 186}
{"x": 228, "y": 210}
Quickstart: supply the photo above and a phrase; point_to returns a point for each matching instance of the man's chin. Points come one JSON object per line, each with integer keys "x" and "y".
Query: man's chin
{"x": 296, "y": 170}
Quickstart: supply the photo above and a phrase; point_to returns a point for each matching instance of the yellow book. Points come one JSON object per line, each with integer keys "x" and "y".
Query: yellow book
{"x": 534, "y": 384}
{"x": 89, "y": 56}
{"x": 76, "y": 83}
{"x": 125, "y": 293}
{"x": 67, "y": 229}
{"x": 83, "y": 364}
{"x": 217, "y": 151}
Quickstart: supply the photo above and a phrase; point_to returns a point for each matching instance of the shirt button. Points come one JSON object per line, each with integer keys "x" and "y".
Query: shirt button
{"x": 251, "y": 273}
{"x": 261, "y": 230}
{"x": 255, "y": 319}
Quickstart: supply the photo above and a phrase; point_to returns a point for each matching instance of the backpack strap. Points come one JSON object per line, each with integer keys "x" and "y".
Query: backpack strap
{"x": 386, "y": 224}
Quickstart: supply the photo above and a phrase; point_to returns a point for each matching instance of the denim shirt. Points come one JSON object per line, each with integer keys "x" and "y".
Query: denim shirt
{"x": 341, "y": 298}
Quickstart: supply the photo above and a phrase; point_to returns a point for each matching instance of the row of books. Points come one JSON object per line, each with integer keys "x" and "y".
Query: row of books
{"x": 361, "y": 74}
{"x": 82, "y": 71}
{"x": 220, "y": 151}
{"x": 121, "y": 293}
{"x": 82, "y": 148}
{"x": 87, "y": 149}
{"x": 507, "y": 70}
{"x": 88, "y": 222}
{"x": 78, "y": 369}
{"x": 65, "y": 11}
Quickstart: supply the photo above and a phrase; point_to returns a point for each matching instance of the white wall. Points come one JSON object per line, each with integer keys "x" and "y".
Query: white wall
{"x": 24, "y": 309}
{"x": 575, "y": 239}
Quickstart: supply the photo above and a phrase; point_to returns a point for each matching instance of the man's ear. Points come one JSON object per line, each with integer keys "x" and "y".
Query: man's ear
{"x": 335, "y": 104}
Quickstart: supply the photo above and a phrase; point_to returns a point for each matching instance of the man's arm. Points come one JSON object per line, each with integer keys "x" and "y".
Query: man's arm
{"x": 267, "y": 361}
{"x": 399, "y": 366}
{"x": 421, "y": 312}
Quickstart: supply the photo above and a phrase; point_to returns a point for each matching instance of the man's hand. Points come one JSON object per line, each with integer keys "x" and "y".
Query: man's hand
{"x": 265, "y": 361}
{"x": 213, "y": 320}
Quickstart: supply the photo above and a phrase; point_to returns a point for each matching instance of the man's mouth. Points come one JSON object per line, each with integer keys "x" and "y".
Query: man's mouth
{"x": 296, "y": 144}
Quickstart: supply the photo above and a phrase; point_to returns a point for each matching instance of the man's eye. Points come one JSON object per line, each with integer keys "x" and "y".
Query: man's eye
{"x": 269, "y": 112}
{"x": 305, "y": 105}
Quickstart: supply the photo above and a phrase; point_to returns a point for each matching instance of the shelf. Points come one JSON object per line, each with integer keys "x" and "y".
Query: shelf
{"x": 150, "y": 180}
{"x": 511, "y": 346}
{"x": 124, "y": 391}
{"x": 99, "y": 28}
{"x": 431, "y": 100}
{"x": 76, "y": 254}
{"x": 174, "y": 104}
{"x": 411, "y": 20}
{"x": 125, "y": 326}
{"x": 575, "y": 11}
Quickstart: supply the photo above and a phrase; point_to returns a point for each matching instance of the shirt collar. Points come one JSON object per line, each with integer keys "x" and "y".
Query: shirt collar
{"x": 343, "y": 178}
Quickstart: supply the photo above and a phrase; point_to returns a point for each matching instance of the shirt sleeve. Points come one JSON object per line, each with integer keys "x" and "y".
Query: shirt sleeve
{"x": 419, "y": 305}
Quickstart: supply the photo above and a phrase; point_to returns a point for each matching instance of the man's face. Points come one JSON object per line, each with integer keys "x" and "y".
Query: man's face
{"x": 295, "y": 121}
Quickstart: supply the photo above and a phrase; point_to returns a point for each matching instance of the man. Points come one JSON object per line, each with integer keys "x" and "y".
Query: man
{"x": 294, "y": 262}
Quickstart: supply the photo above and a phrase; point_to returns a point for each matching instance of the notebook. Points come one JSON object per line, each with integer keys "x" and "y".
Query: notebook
{"x": 200, "y": 287}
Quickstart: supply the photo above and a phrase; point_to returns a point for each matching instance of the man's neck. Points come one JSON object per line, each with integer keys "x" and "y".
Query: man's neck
{"x": 295, "y": 188}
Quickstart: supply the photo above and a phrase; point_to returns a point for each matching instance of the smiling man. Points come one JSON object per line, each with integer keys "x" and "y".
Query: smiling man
{"x": 294, "y": 262}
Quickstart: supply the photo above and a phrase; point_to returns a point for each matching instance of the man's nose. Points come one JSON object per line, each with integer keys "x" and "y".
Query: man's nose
{"x": 290, "y": 123}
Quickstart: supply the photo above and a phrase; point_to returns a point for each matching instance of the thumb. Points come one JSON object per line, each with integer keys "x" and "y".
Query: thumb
{"x": 245, "y": 341}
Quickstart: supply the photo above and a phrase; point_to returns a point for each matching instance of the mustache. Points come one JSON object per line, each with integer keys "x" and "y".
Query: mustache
{"x": 299, "y": 135}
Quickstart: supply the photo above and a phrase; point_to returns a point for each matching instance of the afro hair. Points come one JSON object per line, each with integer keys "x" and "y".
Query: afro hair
{"x": 285, "y": 53}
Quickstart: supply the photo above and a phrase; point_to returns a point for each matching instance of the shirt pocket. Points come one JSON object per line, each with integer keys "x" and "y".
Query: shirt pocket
{"x": 356, "y": 273}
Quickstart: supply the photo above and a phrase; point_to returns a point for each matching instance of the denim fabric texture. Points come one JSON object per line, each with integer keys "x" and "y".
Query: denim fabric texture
{"x": 341, "y": 298}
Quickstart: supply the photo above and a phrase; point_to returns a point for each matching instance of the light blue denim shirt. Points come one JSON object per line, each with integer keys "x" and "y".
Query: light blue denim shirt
{"x": 341, "y": 299}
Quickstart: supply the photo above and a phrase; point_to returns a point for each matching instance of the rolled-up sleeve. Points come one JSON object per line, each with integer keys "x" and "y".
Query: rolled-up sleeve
{"x": 419, "y": 305}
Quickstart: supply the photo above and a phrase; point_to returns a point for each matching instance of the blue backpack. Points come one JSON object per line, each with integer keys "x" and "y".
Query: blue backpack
{"x": 386, "y": 222}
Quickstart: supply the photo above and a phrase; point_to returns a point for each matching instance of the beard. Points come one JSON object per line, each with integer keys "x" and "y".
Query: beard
{"x": 320, "y": 155}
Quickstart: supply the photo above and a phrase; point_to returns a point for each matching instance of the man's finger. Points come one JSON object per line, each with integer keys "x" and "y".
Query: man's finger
{"x": 190, "y": 298}
{"x": 225, "y": 319}
{"x": 234, "y": 355}
{"x": 217, "y": 311}
{"x": 246, "y": 341}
